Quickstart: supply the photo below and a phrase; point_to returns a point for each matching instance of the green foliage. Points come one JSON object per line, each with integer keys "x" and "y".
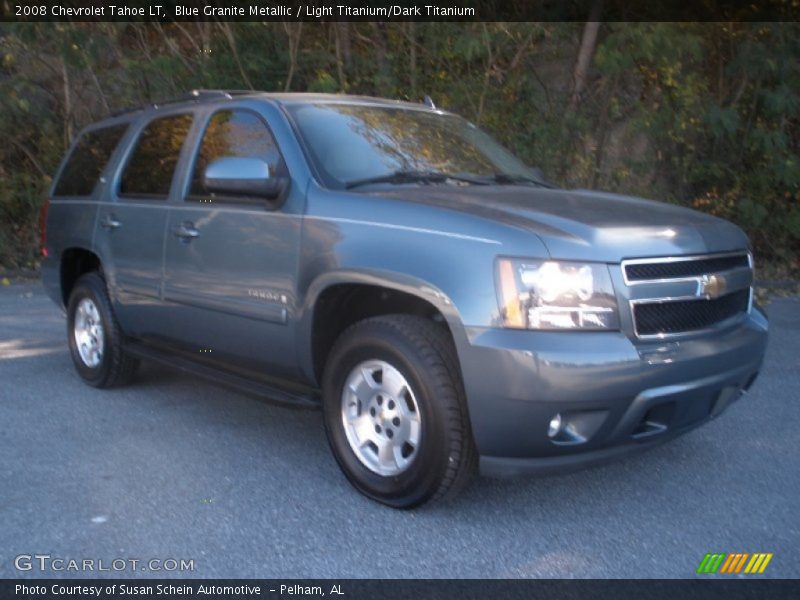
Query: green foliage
{"x": 721, "y": 105}
{"x": 702, "y": 114}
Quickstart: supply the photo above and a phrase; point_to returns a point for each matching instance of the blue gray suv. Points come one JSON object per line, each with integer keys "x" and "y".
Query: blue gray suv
{"x": 449, "y": 310}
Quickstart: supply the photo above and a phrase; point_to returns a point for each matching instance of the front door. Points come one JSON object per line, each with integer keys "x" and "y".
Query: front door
{"x": 229, "y": 262}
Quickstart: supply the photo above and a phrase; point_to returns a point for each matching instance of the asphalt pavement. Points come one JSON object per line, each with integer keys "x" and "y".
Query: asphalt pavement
{"x": 177, "y": 468}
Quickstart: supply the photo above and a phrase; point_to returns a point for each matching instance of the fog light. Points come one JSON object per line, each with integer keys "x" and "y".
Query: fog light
{"x": 555, "y": 426}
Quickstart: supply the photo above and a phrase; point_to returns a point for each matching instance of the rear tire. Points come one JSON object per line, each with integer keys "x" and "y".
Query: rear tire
{"x": 395, "y": 411}
{"x": 96, "y": 341}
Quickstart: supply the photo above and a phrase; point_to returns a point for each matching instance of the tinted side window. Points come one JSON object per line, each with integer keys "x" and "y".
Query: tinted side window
{"x": 151, "y": 166}
{"x": 235, "y": 133}
{"x": 88, "y": 160}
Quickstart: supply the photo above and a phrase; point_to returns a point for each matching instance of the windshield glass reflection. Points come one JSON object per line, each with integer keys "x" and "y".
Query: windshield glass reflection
{"x": 349, "y": 142}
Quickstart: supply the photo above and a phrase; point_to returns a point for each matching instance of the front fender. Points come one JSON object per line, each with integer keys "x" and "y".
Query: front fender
{"x": 399, "y": 282}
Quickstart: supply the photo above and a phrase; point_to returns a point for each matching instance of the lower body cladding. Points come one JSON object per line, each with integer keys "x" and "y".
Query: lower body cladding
{"x": 549, "y": 402}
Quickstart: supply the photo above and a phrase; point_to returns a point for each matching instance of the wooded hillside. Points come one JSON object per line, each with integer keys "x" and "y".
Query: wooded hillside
{"x": 701, "y": 114}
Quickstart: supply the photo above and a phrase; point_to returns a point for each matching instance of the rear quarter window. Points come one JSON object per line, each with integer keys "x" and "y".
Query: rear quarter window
{"x": 151, "y": 167}
{"x": 87, "y": 161}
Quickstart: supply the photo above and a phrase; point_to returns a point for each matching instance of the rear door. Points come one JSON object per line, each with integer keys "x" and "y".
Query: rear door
{"x": 230, "y": 262}
{"x": 75, "y": 196}
{"x": 131, "y": 227}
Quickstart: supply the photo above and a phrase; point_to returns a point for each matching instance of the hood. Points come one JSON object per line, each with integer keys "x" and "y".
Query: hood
{"x": 586, "y": 225}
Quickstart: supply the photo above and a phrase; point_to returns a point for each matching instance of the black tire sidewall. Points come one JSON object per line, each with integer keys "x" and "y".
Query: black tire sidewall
{"x": 92, "y": 287}
{"x": 421, "y": 480}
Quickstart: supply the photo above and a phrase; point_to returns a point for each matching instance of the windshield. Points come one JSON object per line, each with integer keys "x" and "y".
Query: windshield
{"x": 352, "y": 143}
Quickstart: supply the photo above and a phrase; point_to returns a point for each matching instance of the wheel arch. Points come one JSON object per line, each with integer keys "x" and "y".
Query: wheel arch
{"x": 354, "y": 295}
{"x": 75, "y": 262}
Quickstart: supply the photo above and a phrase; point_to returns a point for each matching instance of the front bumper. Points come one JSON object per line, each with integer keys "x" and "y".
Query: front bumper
{"x": 616, "y": 396}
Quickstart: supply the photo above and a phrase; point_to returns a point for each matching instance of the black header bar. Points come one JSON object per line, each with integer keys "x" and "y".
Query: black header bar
{"x": 399, "y": 10}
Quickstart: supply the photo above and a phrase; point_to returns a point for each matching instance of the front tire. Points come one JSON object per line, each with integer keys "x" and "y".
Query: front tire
{"x": 395, "y": 412}
{"x": 96, "y": 341}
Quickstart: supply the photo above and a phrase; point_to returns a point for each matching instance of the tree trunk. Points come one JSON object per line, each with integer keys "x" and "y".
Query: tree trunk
{"x": 585, "y": 54}
{"x": 67, "y": 104}
{"x": 412, "y": 58}
{"x": 228, "y": 32}
{"x": 487, "y": 73}
{"x": 340, "y": 66}
{"x": 293, "y": 31}
{"x": 383, "y": 78}
{"x": 343, "y": 31}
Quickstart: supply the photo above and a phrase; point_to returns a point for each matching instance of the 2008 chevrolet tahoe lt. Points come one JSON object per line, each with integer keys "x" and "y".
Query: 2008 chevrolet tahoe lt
{"x": 449, "y": 310}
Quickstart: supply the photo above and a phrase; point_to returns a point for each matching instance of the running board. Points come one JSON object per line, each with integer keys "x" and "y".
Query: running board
{"x": 261, "y": 390}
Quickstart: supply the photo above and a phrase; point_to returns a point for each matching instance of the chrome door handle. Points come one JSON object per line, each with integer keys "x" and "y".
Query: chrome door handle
{"x": 110, "y": 222}
{"x": 186, "y": 232}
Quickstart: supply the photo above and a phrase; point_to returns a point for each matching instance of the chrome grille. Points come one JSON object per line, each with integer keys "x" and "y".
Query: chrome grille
{"x": 684, "y": 268}
{"x": 675, "y": 296}
{"x": 657, "y": 318}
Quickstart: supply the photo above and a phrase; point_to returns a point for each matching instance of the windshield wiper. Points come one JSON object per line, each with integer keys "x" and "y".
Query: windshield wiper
{"x": 403, "y": 176}
{"x": 509, "y": 179}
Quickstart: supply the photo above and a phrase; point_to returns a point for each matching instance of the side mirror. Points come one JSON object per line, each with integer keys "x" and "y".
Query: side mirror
{"x": 238, "y": 176}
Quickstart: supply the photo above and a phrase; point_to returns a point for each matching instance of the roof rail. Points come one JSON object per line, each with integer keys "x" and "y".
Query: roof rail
{"x": 196, "y": 96}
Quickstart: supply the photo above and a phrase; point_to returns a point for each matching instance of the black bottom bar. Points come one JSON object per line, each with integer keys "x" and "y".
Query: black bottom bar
{"x": 369, "y": 589}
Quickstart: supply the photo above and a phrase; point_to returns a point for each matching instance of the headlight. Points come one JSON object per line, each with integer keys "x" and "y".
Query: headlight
{"x": 556, "y": 295}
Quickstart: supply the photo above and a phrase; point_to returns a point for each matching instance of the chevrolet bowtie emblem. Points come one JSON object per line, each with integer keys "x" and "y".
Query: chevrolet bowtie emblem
{"x": 711, "y": 286}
